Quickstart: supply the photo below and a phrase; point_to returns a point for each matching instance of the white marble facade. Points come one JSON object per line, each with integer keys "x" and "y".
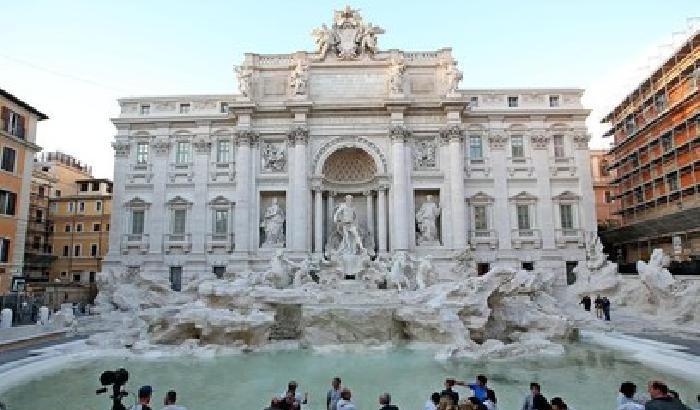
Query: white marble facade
{"x": 506, "y": 169}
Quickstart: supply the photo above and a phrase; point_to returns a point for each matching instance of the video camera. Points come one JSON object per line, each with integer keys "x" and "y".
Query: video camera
{"x": 117, "y": 379}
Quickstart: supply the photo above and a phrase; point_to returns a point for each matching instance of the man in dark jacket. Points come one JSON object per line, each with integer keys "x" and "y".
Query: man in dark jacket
{"x": 453, "y": 395}
{"x": 660, "y": 399}
{"x": 385, "y": 402}
{"x": 586, "y": 302}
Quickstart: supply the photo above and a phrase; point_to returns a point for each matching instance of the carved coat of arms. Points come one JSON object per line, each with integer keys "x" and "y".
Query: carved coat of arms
{"x": 348, "y": 38}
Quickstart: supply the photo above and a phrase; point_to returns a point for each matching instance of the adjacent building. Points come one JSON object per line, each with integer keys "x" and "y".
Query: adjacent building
{"x": 656, "y": 158}
{"x": 219, "y": 183}
{"x": 38, "y": 252}
{"x": 604, "y": 190}
{"x": 18, "y": 126}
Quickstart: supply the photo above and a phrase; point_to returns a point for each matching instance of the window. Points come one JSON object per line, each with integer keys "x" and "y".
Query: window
{"x": 604, "y": 168}
{"x": 223, "y": 107}
{"x": 78, "y": 227}
{"x": 559, "y": 146}
{"x": 81, "y": 206}
{"x": 666, "y": 142}
{"x": 218, "y": 271}
{"x": 52, "y": 228}
{"x": 145, "y": 109}
{"x": 482, "y": 268}
{"x": 142, "y": 153}
{"x": 630, "y": 126}
{"x": 223, "y": 149}
{"x": 107, "y": 228}
{"x": 83, "y": 187}
{"x": 220, "y": 221}
{"x": 41, "y": 191}
{"x": 71, "y": 206}
{"x": 77, "y": 250}
{"x": 98, "y": 206}
{"x": 93, "y": 249}
{"x": 528, "y": 266}
{"x": 57, "y": 193}
{"x": 13, "y": 122}
{"x": 660, "y": 102}
{"x": 66, "y": 250}
{"x": 4, "y": 250}
{"x": 553, "y": 100}
{"x": 76, "y": 277}
{"x": 96, "y": 227}
{"x": 179, "y": 220}
{"x": 8, "y": 159}
{"x": 176, "y": 278}
{"x": 67, "y": 228}
{"x": 137, "y": 219}
{"x": 184, "y": 108}
{"x": 36, "y": 242}
{"x": 95, "y": 186}
{"x": 512, "y": 102}
{"x": 475, "y": 147}
{"x": 523, "y": 212}
{"x": 53, "y": 207}
{"x": 672, "y": 179}
{"x": 480, "y": 221}
{"x": 474, "y": 101}
{"x": 63, "y": 274}
{"x": 635, "y": 159}
{"x": 39, "y": 215}
{"x": 608, "y": 197}
{"x": 567, "y": 217}
{"x": 7, "y": 202}
{"x": 516, "y": 146}
{"x": 638, "y": 195}
{"x": 182, "y": 153}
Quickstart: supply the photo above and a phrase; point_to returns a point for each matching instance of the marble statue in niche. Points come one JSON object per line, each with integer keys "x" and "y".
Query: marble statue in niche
{"x": 425, "y": 154}
{"x": 426, "y": 220}
{"x": 274, "y": 157}
{"x": 273, "y": 226}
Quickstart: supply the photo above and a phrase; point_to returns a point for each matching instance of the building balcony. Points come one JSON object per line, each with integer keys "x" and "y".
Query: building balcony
{"x": 140, "y": 174}
{"x": 135, "y": 242}
{"x": 483, "y": 237}
{"x": 562, "y": 237}
{"x": 16, "y": 130}
{"x": 476, "y": 167}
{"x": 220, "y": 242}
{"x": 520, "y": 237}
{"x": 180, "y": 172}
{"x": 222, "y": 172}
{"x": 520, "y": 166}
{"x": 563, "y": 166}
{"x": 177, "y": 242}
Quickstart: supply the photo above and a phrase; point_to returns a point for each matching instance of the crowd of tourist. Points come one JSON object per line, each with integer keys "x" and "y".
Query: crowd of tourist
{"x": 479, "y": 396}
{"x": 601, "y": 304}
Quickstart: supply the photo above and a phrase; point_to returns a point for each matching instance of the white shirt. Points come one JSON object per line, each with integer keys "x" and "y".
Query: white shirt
{"x": 174, "y": 407}
{"x": 623, "y": 403}
{"x": 346, "y": 405}
{"x": 429, "y": 405}
{"x": 490, "y": 405}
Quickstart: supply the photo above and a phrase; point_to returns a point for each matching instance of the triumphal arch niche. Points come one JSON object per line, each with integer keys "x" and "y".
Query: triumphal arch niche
{"x": 351, "y": 157}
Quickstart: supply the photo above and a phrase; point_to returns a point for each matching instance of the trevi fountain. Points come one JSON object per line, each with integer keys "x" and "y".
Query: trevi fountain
{"x": 382, "y": 288}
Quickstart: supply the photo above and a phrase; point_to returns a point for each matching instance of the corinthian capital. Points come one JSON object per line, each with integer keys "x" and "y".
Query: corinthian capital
{"x": 202, "y": 144}
{"x": 246, "y": 137}
{"x": 298, "y": 134}
{"x": 497, "y": 141}
{"x": 452, "y": 132}
{"x": 399, "y": 133}
{"x": 161, "y": 145}
{"x": 539, "y": 141}
{"x": 121, "y": 148}
{"x": 581, "y": 141}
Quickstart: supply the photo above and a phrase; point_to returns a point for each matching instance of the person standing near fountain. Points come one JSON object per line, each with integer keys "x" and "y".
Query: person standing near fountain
{"x": 448, "y": 392}
{"x": 344, "y": 403}
{"x": 535, "y": 400}
{"x": 169, "y": 401}
{"x": 144, "y": 398}
{"x": 479, "y": 388}
{"x": 433, "y": 402}
{"x": 333, "y": 394}
{"x": 385, "y": 402}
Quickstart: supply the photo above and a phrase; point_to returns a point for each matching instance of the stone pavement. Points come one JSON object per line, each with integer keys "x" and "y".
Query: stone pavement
{"x": 26, "y": 335}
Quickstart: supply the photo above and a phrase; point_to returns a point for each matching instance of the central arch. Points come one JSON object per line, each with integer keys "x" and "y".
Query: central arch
{"x": 371, "y": 149}
{"x": 349, "y": 166}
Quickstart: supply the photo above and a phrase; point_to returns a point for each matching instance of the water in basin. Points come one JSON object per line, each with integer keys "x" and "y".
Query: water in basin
{"x": 586, "y": 376}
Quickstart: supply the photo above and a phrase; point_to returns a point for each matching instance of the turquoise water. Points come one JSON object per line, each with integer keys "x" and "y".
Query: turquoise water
{"x": 587, "y": 377}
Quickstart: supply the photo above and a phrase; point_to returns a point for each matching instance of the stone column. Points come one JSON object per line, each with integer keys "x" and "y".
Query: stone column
{"x": 585, "y": 183}
{"x": 157, "y": 215}
{"x": 381, "y": 219}
{"x": 198, "y": 224}
{"x": 331, "y": 207}
{"x": 370, "y": 214}
{"x": 455, "y": 135}
{"x": 318, "y": 220}
{"x": 300, "y": 190}
{"x": 243, "y": 214}
{"x": 400, "y": 199}
{"x": 119, "y": 220}
{"x": 545, "y": 211}
{"x": 501, "y": 211}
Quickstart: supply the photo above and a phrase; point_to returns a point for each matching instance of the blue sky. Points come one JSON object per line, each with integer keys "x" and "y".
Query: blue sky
{"x": 73, "y": 59}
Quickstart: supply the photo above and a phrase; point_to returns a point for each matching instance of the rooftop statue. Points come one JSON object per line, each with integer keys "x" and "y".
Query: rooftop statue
{"x": 349, "y": 38}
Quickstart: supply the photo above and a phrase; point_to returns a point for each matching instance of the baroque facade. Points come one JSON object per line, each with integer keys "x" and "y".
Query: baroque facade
{"x": 350, "y": 150}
